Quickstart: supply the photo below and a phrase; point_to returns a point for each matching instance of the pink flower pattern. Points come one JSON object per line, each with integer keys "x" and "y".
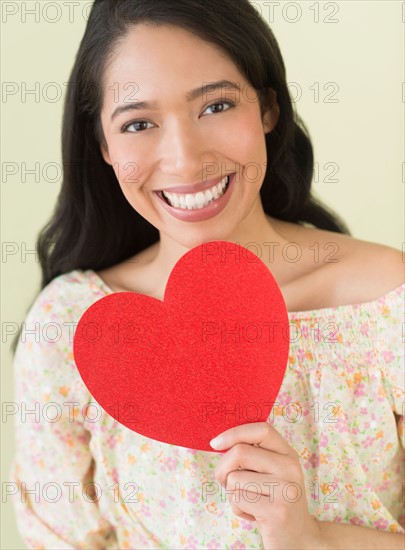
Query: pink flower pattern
{"x": 150, "y": 493}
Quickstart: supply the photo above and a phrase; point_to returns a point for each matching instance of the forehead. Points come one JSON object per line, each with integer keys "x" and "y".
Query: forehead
{"x": 166, "y": 59}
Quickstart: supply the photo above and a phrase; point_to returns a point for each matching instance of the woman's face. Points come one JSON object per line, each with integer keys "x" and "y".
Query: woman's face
{"x": 189, "y": 143}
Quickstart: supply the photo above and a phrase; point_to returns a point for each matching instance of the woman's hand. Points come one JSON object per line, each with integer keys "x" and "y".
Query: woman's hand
{"x": 266, "y": 478}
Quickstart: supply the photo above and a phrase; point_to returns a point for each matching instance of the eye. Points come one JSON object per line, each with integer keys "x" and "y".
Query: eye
{"x": 222, "y": 103}
{"x": 133, "y": 123}
{"x": 142, "y": 123}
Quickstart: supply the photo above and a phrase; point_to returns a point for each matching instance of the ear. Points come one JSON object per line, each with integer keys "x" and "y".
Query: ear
{"x": 105, "y": 153}
{"x": 272, "y": 111}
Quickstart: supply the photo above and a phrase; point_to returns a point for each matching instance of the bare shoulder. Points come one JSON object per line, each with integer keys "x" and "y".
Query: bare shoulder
{"x": 373, "y": 269}
{"x": 344, "y": 270}
{"x": 383, "y": 262}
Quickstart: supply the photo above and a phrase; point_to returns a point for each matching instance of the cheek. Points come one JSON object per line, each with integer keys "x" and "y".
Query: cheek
{"x": 244, "y": 140}
{"x": 251, "y": 146}
{"x": 127, "y": 167}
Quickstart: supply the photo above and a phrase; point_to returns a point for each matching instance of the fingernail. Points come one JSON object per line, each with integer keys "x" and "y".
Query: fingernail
{"x": 217, "y": 441}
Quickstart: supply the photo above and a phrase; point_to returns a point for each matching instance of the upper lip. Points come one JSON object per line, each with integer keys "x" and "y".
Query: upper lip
{"x": 195, "y": 187}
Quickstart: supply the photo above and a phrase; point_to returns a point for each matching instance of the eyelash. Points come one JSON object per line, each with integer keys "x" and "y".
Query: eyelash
{"x": 124, "y": 128}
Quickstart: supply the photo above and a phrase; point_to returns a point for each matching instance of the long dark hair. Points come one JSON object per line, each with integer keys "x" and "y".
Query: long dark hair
{"x": 93, "y": 225}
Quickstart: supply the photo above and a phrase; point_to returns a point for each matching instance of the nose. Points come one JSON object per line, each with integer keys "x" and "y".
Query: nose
{"x": 183, "y": 151}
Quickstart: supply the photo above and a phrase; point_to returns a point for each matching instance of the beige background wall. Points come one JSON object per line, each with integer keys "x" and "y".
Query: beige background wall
{"x": 356, "y": 60}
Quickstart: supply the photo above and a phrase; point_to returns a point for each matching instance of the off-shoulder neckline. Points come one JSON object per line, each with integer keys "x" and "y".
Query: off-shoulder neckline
{"x": 321, "y": 312}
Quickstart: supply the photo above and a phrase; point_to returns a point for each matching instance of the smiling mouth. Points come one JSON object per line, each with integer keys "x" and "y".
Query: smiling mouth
{"x": 196, "y": 201}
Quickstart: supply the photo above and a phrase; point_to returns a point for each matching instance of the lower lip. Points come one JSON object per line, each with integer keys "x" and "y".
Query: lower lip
{"x": 201, "y": 214}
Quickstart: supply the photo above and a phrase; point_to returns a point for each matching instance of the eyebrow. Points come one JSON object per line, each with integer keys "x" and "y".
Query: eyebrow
{"x": 209, "y": 87}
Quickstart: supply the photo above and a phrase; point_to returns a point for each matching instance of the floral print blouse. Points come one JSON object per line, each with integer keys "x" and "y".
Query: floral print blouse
{"x": 82, "y": 480}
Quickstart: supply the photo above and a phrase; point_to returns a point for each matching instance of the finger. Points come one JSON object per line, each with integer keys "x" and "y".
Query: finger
{"x": 255, "y": 506}
{"x": 243, "y": 456}
{"x": 237, "y": 510}
{"x": 260, "y": 433}
{"x": 268, "y": 515}
{"x": 251, "y": 485}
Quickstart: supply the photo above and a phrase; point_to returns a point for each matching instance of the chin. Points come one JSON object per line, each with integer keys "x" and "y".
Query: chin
{"x": 204, "y": 237}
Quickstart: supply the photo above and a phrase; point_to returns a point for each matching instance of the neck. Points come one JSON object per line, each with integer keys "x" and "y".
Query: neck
{"x": 255, "y": 230}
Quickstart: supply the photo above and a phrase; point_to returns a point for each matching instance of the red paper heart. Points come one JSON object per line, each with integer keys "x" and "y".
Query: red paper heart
{"x": 211, "y": 356}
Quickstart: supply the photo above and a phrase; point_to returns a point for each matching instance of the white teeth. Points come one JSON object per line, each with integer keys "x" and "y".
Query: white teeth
{"x": 189, "y": 201}
{"x": 176, "y": 202}
{"x": 198, "y": 200}
{"x": 209, "y": 195}
{"x": 216, "y": 191}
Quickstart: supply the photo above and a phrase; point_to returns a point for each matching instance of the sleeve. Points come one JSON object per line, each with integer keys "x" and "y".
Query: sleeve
{"x": 391, "y": 315}
{"x": 52, "y": 467}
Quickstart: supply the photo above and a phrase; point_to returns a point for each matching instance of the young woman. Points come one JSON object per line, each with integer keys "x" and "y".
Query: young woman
{"x": 178, "y": 130}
